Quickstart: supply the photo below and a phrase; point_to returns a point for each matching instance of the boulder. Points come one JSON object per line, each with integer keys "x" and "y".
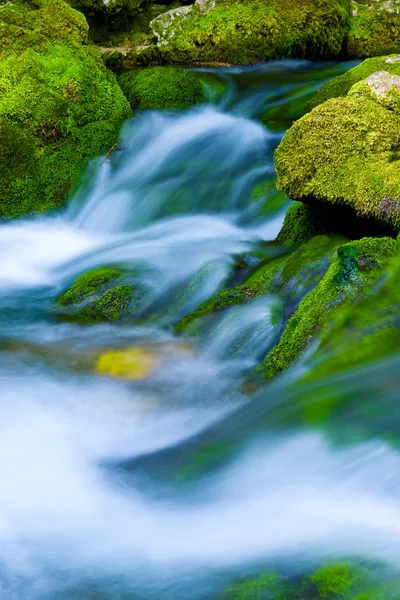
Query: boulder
{"x": 346, "y": 152}
{"x": 245, "y": 32}
{"x": 59, "y": 105}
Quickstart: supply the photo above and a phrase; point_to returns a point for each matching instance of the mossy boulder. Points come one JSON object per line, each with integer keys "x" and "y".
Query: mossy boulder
{"x": 59, "y": 105}
{"x": 374, "y": 29}
{"x": 346, "y": 151}
{"x": 245, "y": 32}
{"x": 103, "y": 294}
{"x": 161, "y": 87}
{"x": 356, "y": 268}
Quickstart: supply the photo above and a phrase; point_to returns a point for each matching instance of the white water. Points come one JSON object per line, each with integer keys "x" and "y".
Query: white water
{"x": 68, "y": 522}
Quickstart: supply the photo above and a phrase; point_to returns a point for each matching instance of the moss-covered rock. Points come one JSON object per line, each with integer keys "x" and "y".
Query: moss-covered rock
{"x": 233, "y": 32}
{"x": 346, "y": 151}
{"x": 344, "y": 580}
{"x": 355, "y": 270}
{"x": 291, "y": 274}
{"x": 161, "y": 87}
{"x": 103, "y": 294}
{"x": 340, "y": 86}
{"x": 366, "y": 331}
{"x": 59, "y": 105}
{"x": 374, "y": 29}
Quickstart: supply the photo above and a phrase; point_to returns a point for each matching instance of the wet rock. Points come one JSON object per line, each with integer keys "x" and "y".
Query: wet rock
{"x": 102, "y": 294}
{"x": 161, "y": 87}
{"x": 59, "y": 105}
{"x": 356, "y": 268}
{"x": 221, "y": 31}
{"x": 345, "y": 151}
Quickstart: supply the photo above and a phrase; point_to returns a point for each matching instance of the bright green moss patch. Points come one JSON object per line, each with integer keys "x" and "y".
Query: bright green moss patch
{"x": 99, "y": 295}
{"x": 366, "y": 331}
{"x": 59, "y": 106}
{"x": 292, "y": 274}
{"x": 346, "y": 152}
{"x": 333, "y": 580}
{"x": 250, "y": 31}
{"x": 341, "y": 85}
{"x": 161, "y": 87}
{"x": 374, "y": 29}
{"x": 355, "y": 269}
{"x": 345, "y": 580}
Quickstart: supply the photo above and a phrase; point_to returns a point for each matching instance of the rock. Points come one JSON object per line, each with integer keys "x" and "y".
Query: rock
{"x": 382, "y": 83}
{"x": 292, "y": 275}
{"x": 230, "y": 32}
{"x": 340, "y": 86}
{"x": 345, "y": 152}
{"x": 161, "y": 87}
{"x": 374, "y": 28}
{"x": 103, "y": 294}
{"x": 59, "y": 105}
{"x": 356, "y": 268}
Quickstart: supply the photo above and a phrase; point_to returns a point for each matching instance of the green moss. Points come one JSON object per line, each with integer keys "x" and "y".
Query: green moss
{"x": 291, "y": 274}
{"x": 161, "y": 87}
{"x": 26, "y": 25}
{"x": 265, "y": 587}
{"x": 346, "y": 152}
{"x": 355, "y": 269}
{"x": 64, "y": 107}
{"x": 301, "y": 224}
{"x": 374, "y": 29}
{"x": 252, "y": 30}
{"x": 344, "y": 580}
{"x": 333, "y": 580}
{"x": 341, "y": 85}
{"x": 99, "y": 295}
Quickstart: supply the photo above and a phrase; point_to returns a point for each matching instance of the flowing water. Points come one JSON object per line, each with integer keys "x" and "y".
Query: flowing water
{"x": 173, "y": 486}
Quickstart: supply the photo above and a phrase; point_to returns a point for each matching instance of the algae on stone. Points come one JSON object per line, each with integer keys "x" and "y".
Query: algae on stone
{"x": 161, "y": 87}
{"x": 232, "y": 32}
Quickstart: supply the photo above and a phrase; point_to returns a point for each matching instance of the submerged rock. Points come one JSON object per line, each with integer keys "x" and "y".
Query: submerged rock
{"x": 103, "y": 294}
{"x": 134, "y": 363}
{"x": 161, "y": 87}
{"x": 59, "y": 105}
{"x": 346, "y": 150}
{"x": 342, "y": 580}
{"x": 232, "y": 32}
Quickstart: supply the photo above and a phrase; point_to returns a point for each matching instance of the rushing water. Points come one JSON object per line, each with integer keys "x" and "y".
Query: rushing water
{"x": 105, "y": 488}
